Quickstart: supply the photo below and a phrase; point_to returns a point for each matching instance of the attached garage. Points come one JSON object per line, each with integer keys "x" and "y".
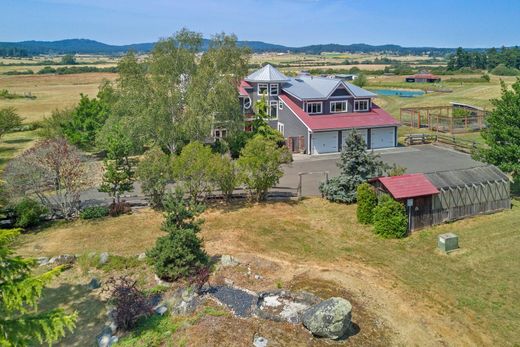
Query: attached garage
{"x": 382, "y": 137}
{"x": 325, "y": 142}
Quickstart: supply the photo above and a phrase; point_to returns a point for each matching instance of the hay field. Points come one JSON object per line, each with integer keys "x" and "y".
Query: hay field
{"x": 51, "y": 91}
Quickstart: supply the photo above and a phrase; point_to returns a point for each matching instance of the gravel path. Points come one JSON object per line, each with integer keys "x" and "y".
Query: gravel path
{"x": 239, "y": 301}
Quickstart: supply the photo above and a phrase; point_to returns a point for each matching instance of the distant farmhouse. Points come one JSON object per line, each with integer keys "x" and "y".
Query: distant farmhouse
{"x": 423, "y": 77}
{"x": 316, "y": 114}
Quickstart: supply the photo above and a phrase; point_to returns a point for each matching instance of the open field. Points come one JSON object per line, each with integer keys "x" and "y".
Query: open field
{"x": 13, "y": 144}
{"x": 51, "y": 91}
{"x": 419, "y": 295}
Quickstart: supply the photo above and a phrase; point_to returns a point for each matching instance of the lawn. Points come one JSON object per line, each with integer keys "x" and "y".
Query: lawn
{"x": 13, "y": 144}
{"x": 475, "y": 288}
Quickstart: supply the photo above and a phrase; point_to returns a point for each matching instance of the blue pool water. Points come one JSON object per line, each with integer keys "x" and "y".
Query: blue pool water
{"x": 397, "y": 92}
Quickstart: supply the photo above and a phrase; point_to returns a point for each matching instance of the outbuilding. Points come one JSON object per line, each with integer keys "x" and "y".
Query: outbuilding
{"x": 423, "y": 77}
{"x": 443, "y": 196}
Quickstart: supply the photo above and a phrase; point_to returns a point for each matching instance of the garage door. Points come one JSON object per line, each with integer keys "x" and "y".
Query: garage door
{"x": 345, "y": 134}
{"x": 382, "y": 137}
{"x": 326, "y": 142}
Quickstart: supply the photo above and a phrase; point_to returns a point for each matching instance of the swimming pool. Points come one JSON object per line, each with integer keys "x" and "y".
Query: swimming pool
{"x": 397, "y": 92}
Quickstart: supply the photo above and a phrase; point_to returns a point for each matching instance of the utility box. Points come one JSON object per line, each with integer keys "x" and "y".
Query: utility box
{"x": 448, "y": 242}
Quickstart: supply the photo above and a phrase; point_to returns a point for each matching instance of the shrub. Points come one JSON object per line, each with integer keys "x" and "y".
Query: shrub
{"x": 119, "y": 263}
{"x": 118, "y": 208}
{"x": 94, "y": 212}
{"x": 177, "y": 255}
{"x": 154, "y": 172}
{"x": 130, "y": 303}
{"x": 503, "y": 70}
{"x": 390, "y": 220}
{"x": 225, "y": 176}
{"x": 29, "y": 213}
{"x": 366, "y": 202}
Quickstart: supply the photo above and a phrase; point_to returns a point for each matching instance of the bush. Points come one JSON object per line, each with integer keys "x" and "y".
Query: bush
{"x": 29, "y": 213}
{"x": 225, "y": 175}
{"x": 390, "y": 220}
{"x": 94, "y": 212}
{"x": 119, "y": 263}
{"x": 118, "y": 208}
{"x": 154, "y": 172}
{"x": 177, "y": 255}
{"x": 503, "y": 70}
{"x": 366, "y": 202}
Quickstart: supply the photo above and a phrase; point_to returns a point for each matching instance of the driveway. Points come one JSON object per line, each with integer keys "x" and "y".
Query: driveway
{"x": 421, "y": 158}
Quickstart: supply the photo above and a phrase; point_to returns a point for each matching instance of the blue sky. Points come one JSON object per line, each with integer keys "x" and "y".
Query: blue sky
{"x": 440, "y": 23}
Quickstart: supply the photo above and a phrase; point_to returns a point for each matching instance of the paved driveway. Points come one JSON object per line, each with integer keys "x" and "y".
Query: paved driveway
{"x": 422, "y": 158}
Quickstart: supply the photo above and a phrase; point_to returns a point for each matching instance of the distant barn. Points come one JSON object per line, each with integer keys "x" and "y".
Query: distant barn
{"x": 443, "y": 196}
{"x": 423, "y": 77}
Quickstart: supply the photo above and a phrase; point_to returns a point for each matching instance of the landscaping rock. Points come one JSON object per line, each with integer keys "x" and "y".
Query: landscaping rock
{"x": 42, "y": 261}
{"x": 105, "y": 338}
{"x": 182, "y": 302}
{"x": 159, "y": 281}
{"x": 94, "y": 284}
{"x": 141, "y": 257}
{"x": 258, "y": 277}
{"x": 240, "y": 301}
{"x": 260, "y": 341}
{"x": 282, "y": 305}
{"x": 330, "y": 318}
{"x": 110, "y": 324}
{"x": 161, "y": 310}
{"x": 228, "y": 282}
{"x": 228, "y": 260}
{"x": 103, "y": 258}
{"x": 64, "y": 259}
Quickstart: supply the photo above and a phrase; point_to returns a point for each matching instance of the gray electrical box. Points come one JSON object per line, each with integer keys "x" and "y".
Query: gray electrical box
{"x": 448, "y": 242}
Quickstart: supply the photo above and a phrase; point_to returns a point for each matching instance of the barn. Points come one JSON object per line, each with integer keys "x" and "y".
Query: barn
{"x": 443, "y": 196}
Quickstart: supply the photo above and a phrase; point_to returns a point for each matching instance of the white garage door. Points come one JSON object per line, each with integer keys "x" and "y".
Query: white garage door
{"x": 382, "y": 137}
{"x": 326, "y": 142}
{"x": 363, "y": 132}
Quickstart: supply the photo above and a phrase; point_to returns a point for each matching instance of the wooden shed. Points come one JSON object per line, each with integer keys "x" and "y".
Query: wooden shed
{"x": 443, "y": 196}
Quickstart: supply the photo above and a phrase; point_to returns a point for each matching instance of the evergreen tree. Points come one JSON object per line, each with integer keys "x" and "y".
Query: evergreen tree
{"x": 502, "y": 134}
{"x": 356, "y": 166}
{"x": 21, "y": 324}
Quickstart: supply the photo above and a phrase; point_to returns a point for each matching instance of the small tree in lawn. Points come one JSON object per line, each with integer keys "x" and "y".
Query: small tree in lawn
{"x": 21, "y": 323}
{"x": 225, "y": 175}
{"x": 118, "y": 177}
{"x": 8, "y": 120}
{"x": 52, "y": 170}
{"x": 259, "y": 165}
{"x": 390, "y": 220}
{"x": 366, "y": 202}
{"x": 193, "y": 168}
{"x": 154, "y": 172}
{"x": 502, "y": 134}
{"x": 356, "y": 166}
{"x": 180, "y": 254}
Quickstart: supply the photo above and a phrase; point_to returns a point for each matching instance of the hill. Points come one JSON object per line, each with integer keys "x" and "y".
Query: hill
{"x": 86, "y": 46}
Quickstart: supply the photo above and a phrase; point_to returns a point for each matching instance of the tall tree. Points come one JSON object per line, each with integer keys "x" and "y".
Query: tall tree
{"x": 502, "y": 134}
{"x": 21, "y": 324}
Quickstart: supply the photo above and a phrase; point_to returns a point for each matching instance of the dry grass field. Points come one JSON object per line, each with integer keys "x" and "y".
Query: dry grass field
{"x": 420, "y": 296}
{"x": 51, "y": 92}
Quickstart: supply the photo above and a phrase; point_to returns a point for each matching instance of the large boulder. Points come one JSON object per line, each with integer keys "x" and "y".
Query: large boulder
{"x": 330, "y": 318}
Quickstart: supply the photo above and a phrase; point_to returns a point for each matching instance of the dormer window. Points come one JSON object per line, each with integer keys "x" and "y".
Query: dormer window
{"x": 361, "y": 105}
{"x": 263, "y": 89}
{"x": 274, "y": 89}
{"x": 314, "y": 107}
{"x": 338, "y": 106}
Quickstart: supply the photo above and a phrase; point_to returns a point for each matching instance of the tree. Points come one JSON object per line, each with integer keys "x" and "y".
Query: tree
{"x": 68, "y": 59}
{"x": 259, "y": 165}
{"x": 361, "y": 80}
{"x": 261, "y": 125}
{"x": 21, "y": 324}
{"x": 356, "y": 166}
{"x": 225, "y": 175}
{"x": 180, "y": 253}
{"x": 193, "y": 168}
{"x": 154, "y": 172}
{"x": 366, "y": 202}
{"x": 502, "y": 134}
{"x": 9, "y": 120}
{"x": 390, "y": 220}
{"x": 52, "y": 127}
{"x": 53, "y": 171}
{"x": 118, "y": 177}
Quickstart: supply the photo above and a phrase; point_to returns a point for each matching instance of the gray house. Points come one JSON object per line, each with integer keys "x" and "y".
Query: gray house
{"x": 315, "y": 114}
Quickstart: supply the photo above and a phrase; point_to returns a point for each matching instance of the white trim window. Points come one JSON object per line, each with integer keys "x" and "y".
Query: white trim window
{"x": 280, "y": 105}
{"x": 247, "y": 103}
{"x": 315, "y": 107}
{"x": 263, "y": 89}
{"x": 361, "y": 105}
{"x": 281, "y": 128}
{"x": 338, "y": 106}
{"x": 274, "y": 89}
{"x": 273, "y": 109}
{"x": 220, "y": 133}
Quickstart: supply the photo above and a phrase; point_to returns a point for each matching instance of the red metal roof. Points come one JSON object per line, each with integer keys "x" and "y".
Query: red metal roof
{"x": 242, "y": 88}
{"x": 408, "y": 186}
{"x": 375, "y": 118}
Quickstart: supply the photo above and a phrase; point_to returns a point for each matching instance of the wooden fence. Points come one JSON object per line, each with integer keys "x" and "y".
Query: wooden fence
{"x": 457, "y": 143}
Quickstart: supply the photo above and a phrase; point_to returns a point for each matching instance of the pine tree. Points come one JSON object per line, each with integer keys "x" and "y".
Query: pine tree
{"x": 21, "y": 324}
{"x": 356, "y": 166}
